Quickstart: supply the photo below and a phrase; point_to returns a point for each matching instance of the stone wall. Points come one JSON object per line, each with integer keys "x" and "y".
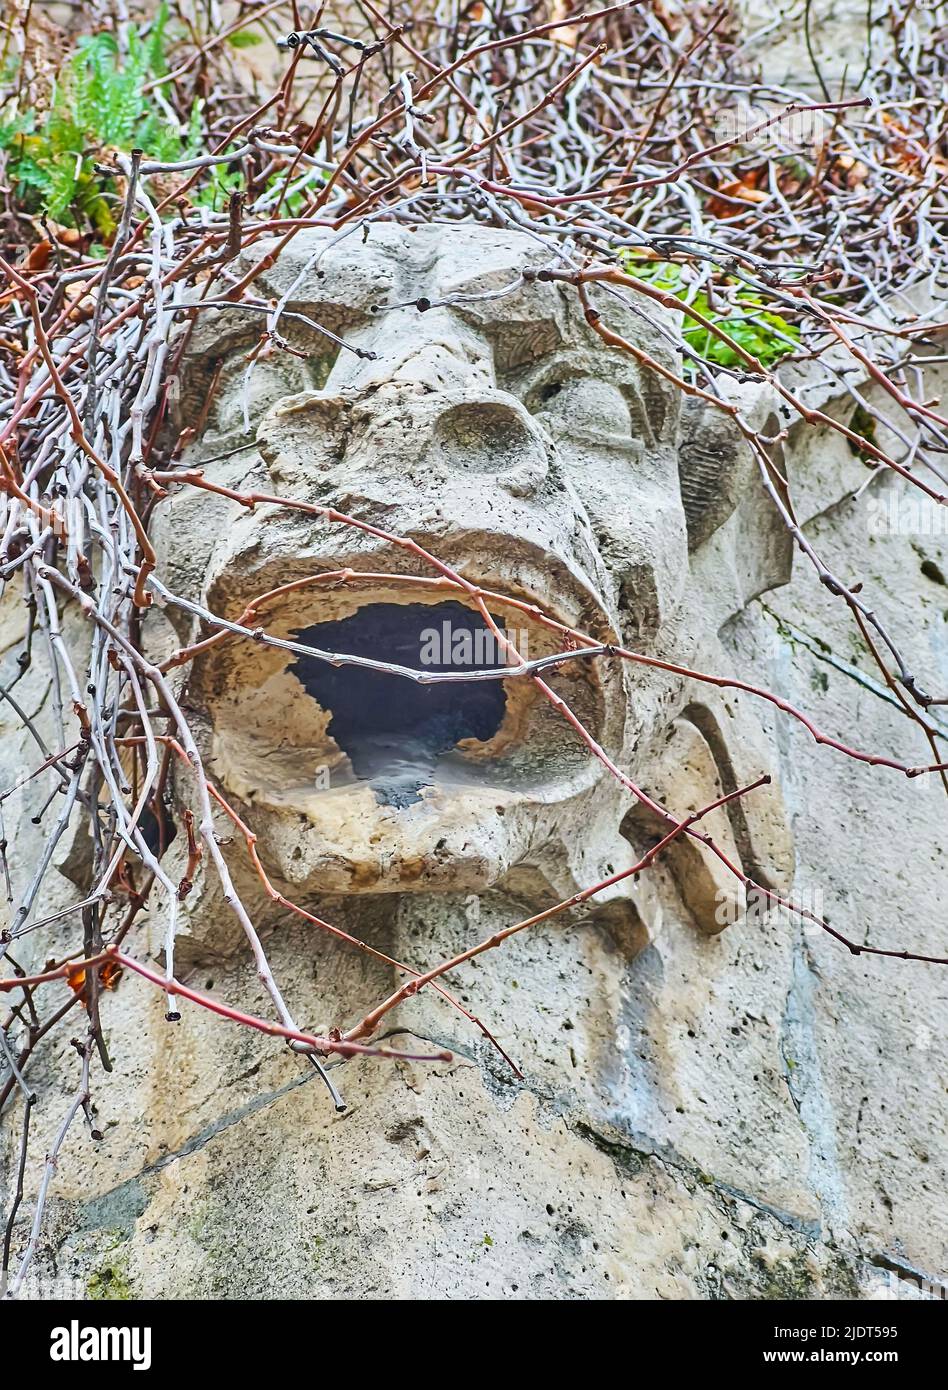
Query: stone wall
{"x": 753, "y": 1114}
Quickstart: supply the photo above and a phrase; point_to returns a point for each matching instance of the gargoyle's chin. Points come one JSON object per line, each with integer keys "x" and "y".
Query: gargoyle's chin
{"x": 458, "y": 841}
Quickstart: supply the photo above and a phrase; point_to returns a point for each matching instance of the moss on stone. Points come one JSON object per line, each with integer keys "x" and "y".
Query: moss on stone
{"x": 109, "y": 1283}
{"x": 794, "y": 1278}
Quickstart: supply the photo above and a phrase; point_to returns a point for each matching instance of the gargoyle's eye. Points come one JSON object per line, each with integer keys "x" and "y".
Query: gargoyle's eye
{"x": 583, "y": 405}
{"x": 234, "y": 391}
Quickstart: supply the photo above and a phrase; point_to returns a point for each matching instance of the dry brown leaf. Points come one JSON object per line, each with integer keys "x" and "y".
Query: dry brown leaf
{"x": 741, "y": 190}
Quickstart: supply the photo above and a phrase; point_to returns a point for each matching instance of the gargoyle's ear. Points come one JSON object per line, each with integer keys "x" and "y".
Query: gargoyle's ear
{"x": 712, "y": 749}
{"x": 741, "y": 754}
{"x": 739, "y": 543}
{"x": 715, "y": 468}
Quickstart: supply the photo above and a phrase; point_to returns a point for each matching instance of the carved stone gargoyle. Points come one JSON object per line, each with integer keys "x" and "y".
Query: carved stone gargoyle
{"x": 483, "y": 419}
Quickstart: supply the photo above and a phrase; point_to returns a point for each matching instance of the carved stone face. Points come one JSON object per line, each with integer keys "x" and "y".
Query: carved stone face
{"x": 492, "y": 427}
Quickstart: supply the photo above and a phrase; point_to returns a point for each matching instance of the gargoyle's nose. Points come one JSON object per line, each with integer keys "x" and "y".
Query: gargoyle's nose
{"x": 434, "y": 377}
{"x": 437, "y": 352}
{"x": 431, "y": 351}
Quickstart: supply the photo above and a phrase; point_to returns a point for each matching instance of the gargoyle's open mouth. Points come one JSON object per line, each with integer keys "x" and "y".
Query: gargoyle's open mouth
{"x": 393, "y": 730}
{"x": 362, "y": 756}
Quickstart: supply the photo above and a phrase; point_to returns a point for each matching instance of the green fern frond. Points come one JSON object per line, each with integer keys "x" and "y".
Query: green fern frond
{"x": 31, "y": 174}
{"x": 746, "y": 320}
{"x": 98, "y": 102}
{"x": 194, "y": 141}
{"x": 155, "y": 49}
{"x": 15, "y": 129}
{"x": 158, "y": 140}
{"x": 221, "y": 184}
{"x": 62, "y": 186}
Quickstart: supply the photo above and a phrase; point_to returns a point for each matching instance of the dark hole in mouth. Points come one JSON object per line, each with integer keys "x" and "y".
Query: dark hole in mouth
{"x": 157, "y": 835}
{"x": 393, "y": 730}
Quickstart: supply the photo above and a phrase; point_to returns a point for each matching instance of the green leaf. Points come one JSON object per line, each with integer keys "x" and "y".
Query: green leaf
{"x": 28, "y": 172}
{"x": 245, "y": 38}
{"x": 63, "y": 136}
{"x": 97, "y": 100}
{"x": 93, "y": 46}
{"x": 765, "y": 335}
{"x": 95, "y": 207}
{"x": 11, "y": 131}
{"x": 158, "y": 140}
{"x": 216, "y": 192}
